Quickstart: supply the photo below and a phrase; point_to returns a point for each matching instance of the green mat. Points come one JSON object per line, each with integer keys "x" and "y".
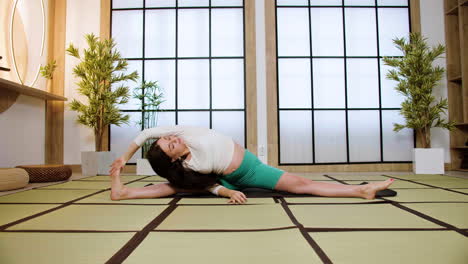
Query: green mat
{"x": 394, "y": 247}
{"x": 77, "y": 222}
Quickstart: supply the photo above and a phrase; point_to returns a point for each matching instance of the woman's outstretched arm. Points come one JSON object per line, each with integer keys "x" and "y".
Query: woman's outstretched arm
{"x": 236, "y": 197}
{"x": 119, "y": 163}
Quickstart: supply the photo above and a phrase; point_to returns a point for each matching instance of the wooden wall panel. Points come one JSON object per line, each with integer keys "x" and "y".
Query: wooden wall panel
{"x": 55, "y": 109}
{"x": 251, "y": 76}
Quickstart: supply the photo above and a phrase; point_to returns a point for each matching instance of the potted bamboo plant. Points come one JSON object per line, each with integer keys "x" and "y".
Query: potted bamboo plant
{"x": 416, "y": 77}
{"x": 151, "y": 97}
{"x": 101, "y": 71}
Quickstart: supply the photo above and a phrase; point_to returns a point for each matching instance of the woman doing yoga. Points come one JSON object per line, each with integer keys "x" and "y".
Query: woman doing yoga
{"x": 196, "y": 159}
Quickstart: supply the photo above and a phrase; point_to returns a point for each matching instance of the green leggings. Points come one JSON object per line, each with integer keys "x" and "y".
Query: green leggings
{"x": 252, "y": 173}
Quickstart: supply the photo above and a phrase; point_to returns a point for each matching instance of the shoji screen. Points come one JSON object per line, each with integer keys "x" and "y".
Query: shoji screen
{"x": 195, "y": 50}
{"x": 334, "y": 103}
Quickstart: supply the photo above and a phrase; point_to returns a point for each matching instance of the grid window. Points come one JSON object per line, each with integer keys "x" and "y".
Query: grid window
{"x": 335, "y": 105}
{"x": 195, "y": 50}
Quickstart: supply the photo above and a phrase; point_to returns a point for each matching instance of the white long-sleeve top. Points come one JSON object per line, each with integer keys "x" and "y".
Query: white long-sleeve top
{"x": 210, "y": 151}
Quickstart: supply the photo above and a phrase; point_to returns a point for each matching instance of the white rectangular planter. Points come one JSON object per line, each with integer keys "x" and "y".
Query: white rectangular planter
{"x": 428, "y": 161}
{"x": 96, "y": 163}
{"x": 144, "y": 168}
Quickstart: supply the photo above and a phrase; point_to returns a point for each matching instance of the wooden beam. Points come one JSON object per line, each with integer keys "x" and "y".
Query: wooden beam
{"x": 105, "y": 34}
{"x": 272, "y": 111}
{"x": 55, "y": 109}
{"x": 415, "y": 16}
{"x": 251, "y": 76}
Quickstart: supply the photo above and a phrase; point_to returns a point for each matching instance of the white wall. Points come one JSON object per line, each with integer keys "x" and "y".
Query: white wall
{"x": 432, "y": 27}
{"x": 77, "y": 137}
{"x": 22, "y": 126}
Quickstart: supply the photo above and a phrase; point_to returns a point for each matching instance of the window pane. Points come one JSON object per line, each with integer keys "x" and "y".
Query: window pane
{"x": 127, "y": 3}
{"x": 227, "y": 35}
{"x": 230, "y": 124}
{"x": 163, "y": 71}
{"x": 160, "y": 3}
{"x": 199, "y": 119}
{"x": 227, "y": 83}
{"x": 325, "y": 2}
{"x": 360, "y": 2}
{"x": 133, "y": 104}
{"x": 127, "y": 31}
{"x": 363, "y": 83}
{"x": 160, "y": 33}
{"x": 193, "y": 2}
{"x": 292, "y": 2}
{"x": 327, "y": 31}
{"x": 124, "y": 134}
{"x": 293, "y": 32}
{"x": 294, "y": 83}
{"x": 166, "y": 119}
{"x": 391, "y": 98}
{"x": 328, "y": 83}
{"x": 193, "y": 33}
{"x": 392, "y": 2}
{"x": 364, "y": 136}
{"x": 397, "y": 146}
{"x": 361, "y": 36}
{"x": 295, "y": 136}
{"x": 393, "y": 23}
{"x": 330, "y": 136}
{"x": 226, "y": 3}
{"x": 193, "y": 84}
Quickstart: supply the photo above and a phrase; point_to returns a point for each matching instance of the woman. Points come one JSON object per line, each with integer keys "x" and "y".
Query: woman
{"x": 195, "y": 159}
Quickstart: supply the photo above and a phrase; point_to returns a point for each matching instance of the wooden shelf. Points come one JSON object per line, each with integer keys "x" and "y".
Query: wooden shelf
{"x": 461, "y": 124}
{"x": 456, "y": 79}
{"x": 452, "y": 11}
{"x": 23, "y": 89}
{"x": 461, "y": 147}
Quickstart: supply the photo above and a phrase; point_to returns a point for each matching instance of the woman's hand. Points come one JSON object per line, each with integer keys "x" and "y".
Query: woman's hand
{"x": 237, "y": 197}
{"x": 117, "y": 165}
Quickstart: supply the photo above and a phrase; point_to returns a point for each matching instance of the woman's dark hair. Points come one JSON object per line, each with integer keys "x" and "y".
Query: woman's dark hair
{"x": 176, "y": 173}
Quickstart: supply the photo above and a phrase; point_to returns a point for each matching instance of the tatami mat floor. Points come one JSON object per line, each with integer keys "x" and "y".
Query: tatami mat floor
{"x": 76, "y": 222}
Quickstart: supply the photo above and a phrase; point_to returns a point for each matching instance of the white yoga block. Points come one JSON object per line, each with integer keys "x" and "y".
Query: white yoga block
{"x": 144, "y": 168}
{"x": 428, "y": 161}
{"x": 96, "y": 163}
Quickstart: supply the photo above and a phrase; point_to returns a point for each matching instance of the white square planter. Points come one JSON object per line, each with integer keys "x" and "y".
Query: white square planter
{"x": 96, "y": 163}
{"x": 144, "y": 168}
{"x": 428, "y": 161}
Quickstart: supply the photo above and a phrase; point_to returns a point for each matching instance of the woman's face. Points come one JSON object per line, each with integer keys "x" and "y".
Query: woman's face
{"x": 173, "y": 146}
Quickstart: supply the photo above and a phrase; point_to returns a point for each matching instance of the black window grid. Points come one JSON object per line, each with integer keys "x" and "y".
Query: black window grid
{"x": 346, "y": 109}
{"x": 143, "y": 59}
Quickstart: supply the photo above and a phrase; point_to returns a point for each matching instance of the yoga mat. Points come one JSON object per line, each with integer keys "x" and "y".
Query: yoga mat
{"x": 328, "y": 200}
{"x": 224, "y": 201}
{"x": 344, "y": 177}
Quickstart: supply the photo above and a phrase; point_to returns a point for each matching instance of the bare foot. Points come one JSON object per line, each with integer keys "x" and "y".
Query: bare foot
{"x": 369, "y": 190}
{"x": 118, "y": 190}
